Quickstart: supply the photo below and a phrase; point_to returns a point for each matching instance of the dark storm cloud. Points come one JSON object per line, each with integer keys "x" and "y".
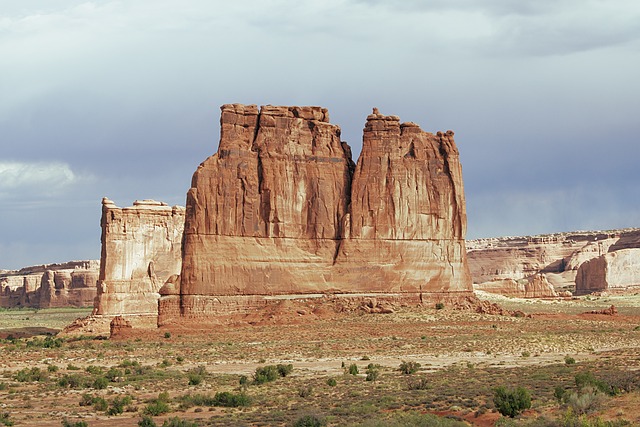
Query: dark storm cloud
{"x": 124, "y": 98}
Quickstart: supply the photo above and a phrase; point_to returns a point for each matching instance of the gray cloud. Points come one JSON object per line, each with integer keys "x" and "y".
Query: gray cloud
{"x": 543, "y": 97}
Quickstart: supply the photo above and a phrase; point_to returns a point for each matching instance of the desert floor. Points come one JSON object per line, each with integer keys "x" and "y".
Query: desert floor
{"x": 463, "y": 356}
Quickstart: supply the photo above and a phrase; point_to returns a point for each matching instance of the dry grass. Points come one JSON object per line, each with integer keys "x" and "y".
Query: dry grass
{"x": 463, "y": 356}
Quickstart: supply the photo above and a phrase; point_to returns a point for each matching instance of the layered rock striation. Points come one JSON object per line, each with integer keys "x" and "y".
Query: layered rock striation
{"x": 573, "y": 261}
{"x": 52, "y": 285}
{"x": 614, "y": 271}
{"x": 281, "y": 211}
{"x": 141, "y": 249}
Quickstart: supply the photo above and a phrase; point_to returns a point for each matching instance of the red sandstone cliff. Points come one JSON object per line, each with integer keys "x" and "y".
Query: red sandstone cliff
{"x": 280, "y": 211}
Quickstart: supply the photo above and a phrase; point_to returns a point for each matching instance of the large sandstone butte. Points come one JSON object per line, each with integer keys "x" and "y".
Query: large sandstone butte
{"x": 280, "y": 211}
{"x": 141, "y": 249}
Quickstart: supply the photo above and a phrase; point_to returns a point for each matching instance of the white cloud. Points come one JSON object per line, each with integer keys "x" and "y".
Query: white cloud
{"x": 40, "y": 178}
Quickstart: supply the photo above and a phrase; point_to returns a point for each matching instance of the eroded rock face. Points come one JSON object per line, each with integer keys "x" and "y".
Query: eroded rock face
{"x": 613, "y": 271}
{"x": 557, "y": 256}
{"x": 53, "y": 285}
{"x": 141, "y": 248}
{"x": 279, "y": 210}
{"x": 536, "y": 286}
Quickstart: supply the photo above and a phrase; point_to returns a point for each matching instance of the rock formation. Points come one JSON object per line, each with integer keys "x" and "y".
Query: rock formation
{"x": 279, "y": 211}
{"x": 559, "y": 257}
{"x": 613, "y": 271}
{"x": 52, "y": 285}
{"x": 536, "y": 286}
{"x": 141, "y": 248}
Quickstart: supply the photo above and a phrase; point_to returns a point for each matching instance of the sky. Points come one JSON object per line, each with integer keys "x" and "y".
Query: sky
{"x": 121, "y": 99}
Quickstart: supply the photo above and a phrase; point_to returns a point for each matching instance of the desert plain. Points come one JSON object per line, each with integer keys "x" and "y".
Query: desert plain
{"x": 179, "y": 376}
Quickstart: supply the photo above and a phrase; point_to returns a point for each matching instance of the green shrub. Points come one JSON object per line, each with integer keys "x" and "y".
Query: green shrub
{"x": 511, "y": 402}
{"x": 52, "y": 368}
{"x": 194, "y": 379}
{"x": 439, "y": 305}
{"x": 30, "y": 375}
{"x": 309, "y": 421}
{"x": 587, "y": 379}
{"x": 409, "y": 368}
{"x": 243, "y": 380}
{"x": 158, "y": 406}
{"x": 569, "y": 360}
{"x": 559, "y": 393}
{"x": 331, "y": 382}
{"x": 113, "y": 374}
{"x": 178, "y": 422}
{"x": 117, "y": 405}
{"x": 167, "y": 335}
{"x": 100, "y": 383}
{"x": 147, "y": 421}
{"x": 265, "y": 374}
{"x": 67, "y": 423}
{"x": 373, "y": 372}
{"x": 284, "y": 370}
{"x": 353, "y": 369}
{"x": 72, "y": 381}
{"x": 231, "y": 400}
{"x": 419, "y": 384}
{"x": 588, "y": 399}
{"x": 4, "y": 419}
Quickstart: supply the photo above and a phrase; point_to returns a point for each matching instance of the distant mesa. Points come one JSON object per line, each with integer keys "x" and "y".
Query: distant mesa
{"x": 579, "y": 263}
{"x": 69, "y": 284}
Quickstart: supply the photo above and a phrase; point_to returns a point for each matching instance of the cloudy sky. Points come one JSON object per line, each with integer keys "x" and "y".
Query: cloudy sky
{"x": 121, "y": 99}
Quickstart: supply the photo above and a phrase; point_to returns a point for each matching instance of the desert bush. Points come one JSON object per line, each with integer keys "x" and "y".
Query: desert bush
{"x": 5, "y": 419}
{"x": 587, "y": 400}
{"x": 71, "y": 367}
{"x": 331, "y": 382}
{"x": 30, "y": 375}
{"x": 158, "y": 406}
{"x": 410, "y": 419}
{"x": 147, "y": 421}
{"x": 47, "y": 342}
{"x": 568, "y": 360}
{"x": 72, "y": 381}
{"x": 52, "y": 368}
{"x": 265, "y": 374}
{"x": 587, "y": 379}
{"x": 179, "y": 422}
{"x": 284, "y": 370}
{"x": 98, "y": 403}
{"x": 409, "y": 368}
{"x": 231, "y": 400}
{"x": 309, "y": 421}
{"x": 100, "y": 383}
{"x": 511, "y": 402}
{"x": 117, "y": 405}
{"x": 439, "y": 305}
{"x": 353, "y": 369}
{"x": 196, "y": 375}
{"x": 305, "y": 392}
{"x": 167, "y": 335}
{"x": 559, "y": 393}
{"x": 419, "y": 384}
{"x": 67, "y": 423}
{"x": 373, "y": 372}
